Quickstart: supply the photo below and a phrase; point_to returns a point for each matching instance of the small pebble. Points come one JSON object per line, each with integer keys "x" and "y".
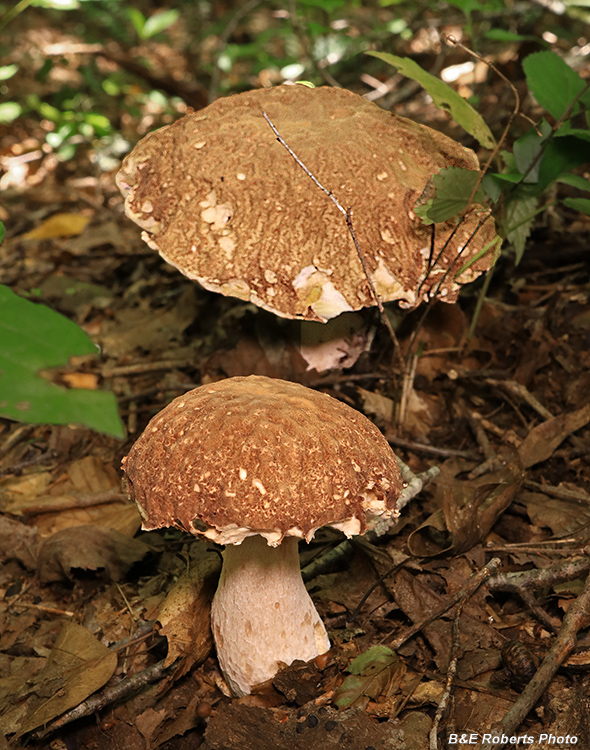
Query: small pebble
{"x": 329, "y": 725}
{"x": 312, "y": 721}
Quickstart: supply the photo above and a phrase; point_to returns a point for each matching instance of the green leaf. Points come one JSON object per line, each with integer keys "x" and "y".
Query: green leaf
{"x": 35, "y": 338}
{"x": 2, "y": 231}
{"x": 7, "y": 71}
{"x": 57, "y": 4}
{"x": 453, "y": 187}
{"x": 494, "y": 247}
{"x": 566, "y": 129}
{"x": 371, "y": 672}
{"x": 575, "y": 180}
{"x": 553, "y": 83}
{"x": 137, "y": 20}
{"x": 502, "y": 35}
{"x": 159, "y": 22}
{"x": 468, "y": 6}
{"x": 561, "y": 155}
{"x": 527, "y": 150}
{"x": 444, "y": 97}
{"x": 520, "y": 215}
{"x": 9, "y": 111}
{"x": 578, "y": 204}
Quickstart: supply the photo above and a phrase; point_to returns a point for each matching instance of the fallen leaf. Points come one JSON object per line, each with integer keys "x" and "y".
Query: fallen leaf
{"x": 88, "y": 548}
{"x": 185, "y": 614}
{"x": 58, "y": 225}
{"x": 17, "y": 542}
{"x": 377, "y": 404}
{"x": 469, "y": 510}
{"x": 77, "y": 666}
{"x": 371, "y": 675}
{"x": 543, "y": 439}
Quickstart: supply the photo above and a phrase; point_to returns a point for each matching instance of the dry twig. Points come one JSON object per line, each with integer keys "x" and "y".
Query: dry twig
{"x": 576, "y": 618}
{"x": 347, "y": 213}
{"x": 465, "y": 594}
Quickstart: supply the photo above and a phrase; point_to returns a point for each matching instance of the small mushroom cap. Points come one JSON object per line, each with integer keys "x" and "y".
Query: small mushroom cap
{"x": 254, "y": 455}
{"x": 222, "y": 200}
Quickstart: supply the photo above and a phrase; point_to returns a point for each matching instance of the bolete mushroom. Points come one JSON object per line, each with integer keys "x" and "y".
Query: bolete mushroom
{"x": 225, "y": 203}
{"x": 257, "y": 464}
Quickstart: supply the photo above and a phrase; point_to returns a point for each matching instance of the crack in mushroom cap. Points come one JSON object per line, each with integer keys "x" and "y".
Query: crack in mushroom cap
{"x": 225, "y": 203}
{"x": 254, "y": 455}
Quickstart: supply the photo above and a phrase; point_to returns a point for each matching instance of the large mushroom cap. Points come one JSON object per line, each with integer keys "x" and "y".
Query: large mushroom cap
{"x": 225, "y": 203}
{"x": 254, "y": 455}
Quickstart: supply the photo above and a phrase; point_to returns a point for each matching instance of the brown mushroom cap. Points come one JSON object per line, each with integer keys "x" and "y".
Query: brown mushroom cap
{"x": 226, "y": 204}
{"x": 255, "y": 455}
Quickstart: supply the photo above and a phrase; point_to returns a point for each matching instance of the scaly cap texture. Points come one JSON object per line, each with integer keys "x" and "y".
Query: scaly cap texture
{"x": 225, "y": 203}
{"x": 254, "y": 455}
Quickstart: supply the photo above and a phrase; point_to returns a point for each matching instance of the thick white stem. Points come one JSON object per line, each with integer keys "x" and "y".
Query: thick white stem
{"x": 262, "y": 614}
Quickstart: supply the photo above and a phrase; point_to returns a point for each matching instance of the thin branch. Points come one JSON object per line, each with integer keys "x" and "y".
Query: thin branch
{"x": 347, "y": 213}
{"x": 466, "y": 593}
{"x": 127, "y": 687}
{"x": 576, "y": 618}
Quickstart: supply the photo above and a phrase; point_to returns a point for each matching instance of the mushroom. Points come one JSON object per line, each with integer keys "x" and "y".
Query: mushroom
{"x": 225, "y": 203}
{"x": 257, "y": 464}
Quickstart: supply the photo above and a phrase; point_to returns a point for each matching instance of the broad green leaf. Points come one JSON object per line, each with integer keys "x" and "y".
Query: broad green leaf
{"x": 527, "y": 152}
{"x": 553, "y": 83}
{"x": 35, "y": 338}
{"x": 561, "y": 155}
{"x": 566, "y": 129}
{"x": 444, "y": 97}
{"x": 159, "y": 22}
{"x": 371, "y": 672}
{"x": 578, "y": 204}
{"x": 453, "y": 187}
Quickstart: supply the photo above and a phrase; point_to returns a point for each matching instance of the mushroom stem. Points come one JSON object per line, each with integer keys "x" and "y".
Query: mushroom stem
{"x": 262, "y": 614}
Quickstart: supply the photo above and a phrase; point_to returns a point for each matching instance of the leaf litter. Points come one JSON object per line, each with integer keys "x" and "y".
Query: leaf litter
{"x": 94, "y": 613}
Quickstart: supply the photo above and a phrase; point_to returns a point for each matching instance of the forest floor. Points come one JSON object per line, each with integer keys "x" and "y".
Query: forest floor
{"x": 85, "y": 661}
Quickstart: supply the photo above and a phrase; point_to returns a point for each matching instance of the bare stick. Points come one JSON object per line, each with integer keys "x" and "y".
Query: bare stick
{"x": 576, "y": 617}
{"x": 347, "y": 213}
{"x": 127, "y": 687}
{"x": 467, "y": 592}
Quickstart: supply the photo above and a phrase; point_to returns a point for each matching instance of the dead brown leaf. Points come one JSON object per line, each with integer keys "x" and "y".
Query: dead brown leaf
{"x": 77, "y": 666}
{"x": 469, "y": 510}
{"x": 543, "y": 439}
{"x": 17, "y": 542}
{"x": 88, "y": 547}
{"x": 185, "y": 614}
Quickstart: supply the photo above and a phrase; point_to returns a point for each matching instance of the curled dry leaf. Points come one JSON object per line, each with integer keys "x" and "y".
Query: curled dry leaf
{"x": 185, "y": 614}
{"x": 89, "y": 548}
{"x": 469, "y": 510}
{"x": 543, "y": 439}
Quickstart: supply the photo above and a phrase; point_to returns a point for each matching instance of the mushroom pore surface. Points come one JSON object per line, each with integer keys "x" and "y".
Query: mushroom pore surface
{"x": 222, "y": 200}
